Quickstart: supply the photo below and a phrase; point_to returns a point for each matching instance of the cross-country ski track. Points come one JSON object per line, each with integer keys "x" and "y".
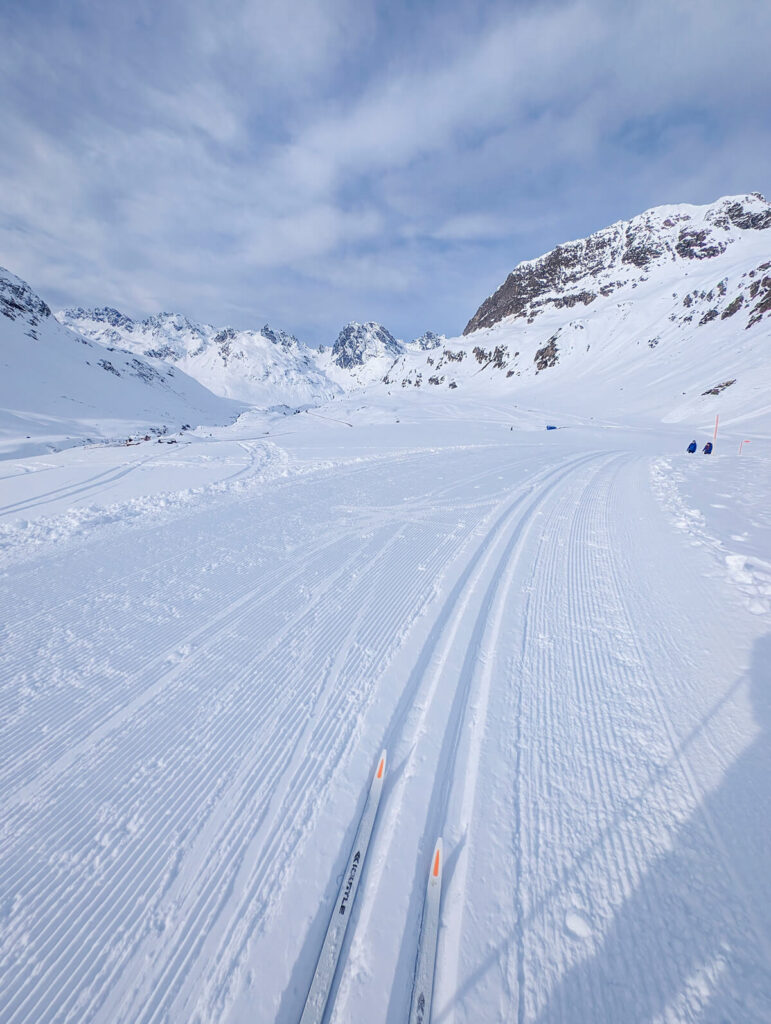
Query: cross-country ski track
{"x": 193, "y": 707}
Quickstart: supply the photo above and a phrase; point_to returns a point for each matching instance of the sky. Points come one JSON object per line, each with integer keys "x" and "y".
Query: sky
{"x": 311, "y": 162}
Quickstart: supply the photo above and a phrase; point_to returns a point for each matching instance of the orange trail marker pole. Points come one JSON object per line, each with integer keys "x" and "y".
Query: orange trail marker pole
{"x": 742, "y": 443}
{"x": 714, "y": 436}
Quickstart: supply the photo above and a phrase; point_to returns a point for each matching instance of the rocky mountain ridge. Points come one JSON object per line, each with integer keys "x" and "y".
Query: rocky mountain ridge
{"x": 263, "y": 367}
{"x": 580, "y": 272}
{"x": 266, "y": 367}
{"x": 671, "y": 311}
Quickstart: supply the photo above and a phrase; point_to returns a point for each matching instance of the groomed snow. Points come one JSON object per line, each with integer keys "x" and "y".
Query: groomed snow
{"x": 563, "y": 639}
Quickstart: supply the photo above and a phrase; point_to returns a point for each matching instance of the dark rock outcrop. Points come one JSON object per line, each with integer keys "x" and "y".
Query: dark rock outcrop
{"x": 754, "y": 220}
{"x": 358, "y": 343}
{"x": 719, "y": 387}
{"x": 547, "y": 356}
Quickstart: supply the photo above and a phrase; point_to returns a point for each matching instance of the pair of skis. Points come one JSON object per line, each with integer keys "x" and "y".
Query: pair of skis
{"x": 318, "y": 995}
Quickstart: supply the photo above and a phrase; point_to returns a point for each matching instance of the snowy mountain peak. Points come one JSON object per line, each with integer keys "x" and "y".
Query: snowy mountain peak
{"x": 426, "y": 342}
{"x": 106, "y": 315}
{"x": 579, "y": 272}
{"x": 359, "y": 343}
{"x": 172, "y": 322}
{"x": 282, "y": 338}
{"x": 263, "y": 368}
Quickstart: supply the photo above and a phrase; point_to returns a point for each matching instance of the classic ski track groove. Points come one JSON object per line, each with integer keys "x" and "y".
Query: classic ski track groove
{"x": 284, "y": 814}
{"x": 385, "y": 631}
{"x": 66, "y": 937}
{"x": 463, "y": 803}
{"x": 430, "y": 669}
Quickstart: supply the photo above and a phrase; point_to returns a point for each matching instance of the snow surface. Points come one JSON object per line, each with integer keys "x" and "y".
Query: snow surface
{"x": 563, "y": 638}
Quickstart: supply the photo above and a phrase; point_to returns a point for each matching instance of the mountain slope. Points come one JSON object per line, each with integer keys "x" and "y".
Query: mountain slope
{"x": 57, "y": 388}
{"x": 667, "y": 317}
{"x": 578, "y": 273}
{"x": 261, "y": 368}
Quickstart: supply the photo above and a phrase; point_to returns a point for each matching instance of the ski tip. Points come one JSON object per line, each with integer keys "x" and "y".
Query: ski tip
{"x": 436, "y": 861}
{"x": 381, "y": 766}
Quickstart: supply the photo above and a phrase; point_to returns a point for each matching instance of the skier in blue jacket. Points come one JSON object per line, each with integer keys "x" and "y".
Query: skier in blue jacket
{"x": 692, "y": 447}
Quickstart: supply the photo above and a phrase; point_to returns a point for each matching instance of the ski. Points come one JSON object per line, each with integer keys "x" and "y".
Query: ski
{"x": 318, "y": 994}
{"x": 423, "y": 988}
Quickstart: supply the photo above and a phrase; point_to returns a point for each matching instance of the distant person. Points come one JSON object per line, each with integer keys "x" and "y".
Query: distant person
{"x": 707, "y": 449}
{"x": 692, "y": 447}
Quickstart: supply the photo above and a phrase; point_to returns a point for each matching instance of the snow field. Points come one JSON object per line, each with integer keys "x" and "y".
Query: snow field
{"x": 170, "y": 682}
{"x": 723, "y": 505}
{"x": 194, "y": 703}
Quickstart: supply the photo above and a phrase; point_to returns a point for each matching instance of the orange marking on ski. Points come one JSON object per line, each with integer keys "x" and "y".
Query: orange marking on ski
{"x": 380, "y": 768}
{"x": 436, "y": 865}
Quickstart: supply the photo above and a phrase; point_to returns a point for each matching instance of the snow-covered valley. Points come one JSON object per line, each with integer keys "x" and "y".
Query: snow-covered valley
{"x": 561, "y": 637}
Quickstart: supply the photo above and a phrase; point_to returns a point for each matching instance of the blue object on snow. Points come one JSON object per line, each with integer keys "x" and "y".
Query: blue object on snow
{"x": 550, "y": 426}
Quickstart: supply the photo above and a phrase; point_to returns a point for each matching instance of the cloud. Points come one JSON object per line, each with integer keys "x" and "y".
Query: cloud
{"x": 299, "y": 161}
